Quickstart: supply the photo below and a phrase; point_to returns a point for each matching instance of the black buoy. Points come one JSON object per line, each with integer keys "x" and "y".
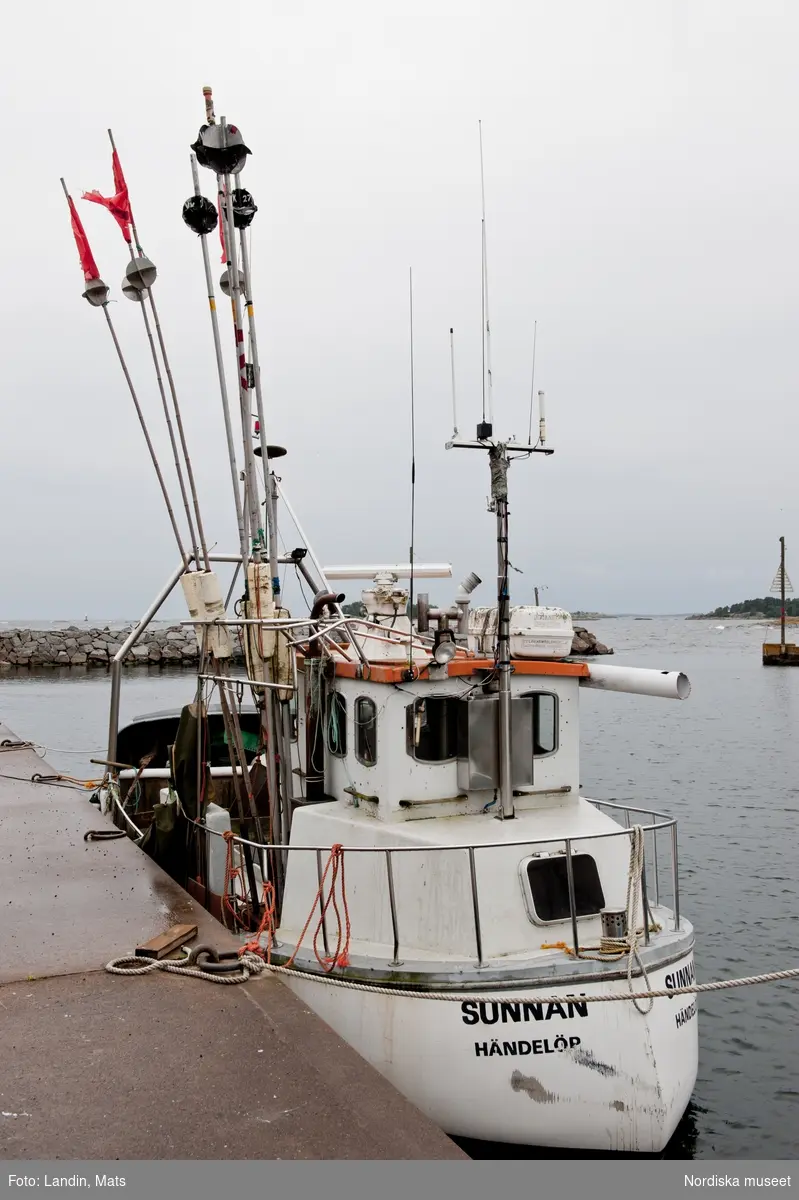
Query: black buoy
{"x": 272, "y": 451}
{"x": 200, "y": 215}
{"x": 244, "y": 208}
{"x": 221, "y": 148}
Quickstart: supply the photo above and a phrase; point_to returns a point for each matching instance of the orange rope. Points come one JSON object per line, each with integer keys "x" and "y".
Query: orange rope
{"x": 231, "y": 875}
{"x": 267, "y": 926}
{"x": 341, "y": 958}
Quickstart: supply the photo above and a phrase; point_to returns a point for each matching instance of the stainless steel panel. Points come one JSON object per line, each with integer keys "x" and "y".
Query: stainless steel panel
{"x": 478, "y": 745}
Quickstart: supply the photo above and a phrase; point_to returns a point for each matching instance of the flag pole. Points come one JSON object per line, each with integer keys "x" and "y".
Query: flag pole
{"x": 256, "y": 531}
{"x": 271, "y": 515}
{"x": 220, "y": 367}
{"x": 104, "y": 305}
{"x": 147, "y": 294}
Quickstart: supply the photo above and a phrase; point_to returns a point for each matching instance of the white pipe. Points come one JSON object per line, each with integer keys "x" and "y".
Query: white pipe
{"x": 165, "y": 773}
{"x": 401, "y": 570}
{"x": 638, "y": 681}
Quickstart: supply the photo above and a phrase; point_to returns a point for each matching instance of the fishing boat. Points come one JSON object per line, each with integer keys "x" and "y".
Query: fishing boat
{"x": 388, "y": 806}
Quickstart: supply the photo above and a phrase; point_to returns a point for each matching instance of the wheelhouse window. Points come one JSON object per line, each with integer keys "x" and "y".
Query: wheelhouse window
{"x": 432, "y": 728}
{"x": 545, "y": 882}
{"x": 545, "y": 723}
{"x": 366, "y": 731}
{"x": 337, "y": 725}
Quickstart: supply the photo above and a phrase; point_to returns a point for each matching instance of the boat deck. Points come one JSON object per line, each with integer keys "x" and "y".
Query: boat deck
{"x": 100, "y": 1067}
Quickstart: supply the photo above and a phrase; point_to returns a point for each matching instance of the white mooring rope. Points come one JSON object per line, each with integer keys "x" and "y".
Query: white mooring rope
{"x": 252, "y": 964}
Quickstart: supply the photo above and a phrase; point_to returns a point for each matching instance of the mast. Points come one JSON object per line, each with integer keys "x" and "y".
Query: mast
{"x": 500, "y": 456}
{"x": 782, "y": 595}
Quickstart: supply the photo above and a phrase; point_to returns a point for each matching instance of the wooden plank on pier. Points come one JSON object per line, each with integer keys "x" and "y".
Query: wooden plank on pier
{"x": 165, "y": 943}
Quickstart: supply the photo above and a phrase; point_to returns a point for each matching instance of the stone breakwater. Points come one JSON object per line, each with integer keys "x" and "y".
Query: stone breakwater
{"x": 74, "y": 647}
{"x": 585, "y": 643}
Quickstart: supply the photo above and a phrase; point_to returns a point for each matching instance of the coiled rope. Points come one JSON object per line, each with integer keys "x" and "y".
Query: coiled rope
{"x": 249, "y": 965}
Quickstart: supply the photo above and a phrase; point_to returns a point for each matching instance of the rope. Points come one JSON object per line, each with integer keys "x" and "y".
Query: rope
{"x": 616, "y": 948}
{"x": 231, "y": 875}
{"x": 249, "y": 960}
{"x": 250, "y": 965}
{"x": 267, "y": 926}
{"x": 341, "y": 958}
{"x": 481, "y": 998}
{"x": 8, "y": 745}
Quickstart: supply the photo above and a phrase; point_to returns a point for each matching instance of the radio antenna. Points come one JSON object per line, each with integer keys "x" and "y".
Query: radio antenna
{"x": 413, "y": 472}
{"x": 488, "y": 401}
{"x": 532, "y": 386}
{"x": 452, "y": 369}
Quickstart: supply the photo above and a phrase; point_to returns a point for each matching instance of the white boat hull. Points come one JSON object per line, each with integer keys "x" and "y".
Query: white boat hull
{"x": 596, "y": 1076}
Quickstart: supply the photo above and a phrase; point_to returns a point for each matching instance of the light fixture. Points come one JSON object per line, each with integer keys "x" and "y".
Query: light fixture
{"x": 443, "y": 646}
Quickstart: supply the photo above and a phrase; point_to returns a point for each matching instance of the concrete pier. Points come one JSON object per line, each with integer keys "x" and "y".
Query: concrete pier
{"x": 95, "y": 1066}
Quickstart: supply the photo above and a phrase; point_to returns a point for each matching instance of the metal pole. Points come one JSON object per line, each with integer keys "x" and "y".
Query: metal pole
{"x": 179, "y": 420}
{"x": 572, "y": 899}
{"x": 256, "y": 532}
{"x": 325, "y": 584}
{"x": 259, "y": 401}
{"x": 675, "y": 876}
{"x": 165, "y": 406}
{"x": 319, "y": 876}
{"x": 392, "y": 899}
{"x": 127, "y": 645}
{"x": 782, "y": 595}
{"x": 143, "y": 424}
{"x": 655, "y": 863}
{"x": 478, "y": 933}
{"x": 220, "y": 368}
{"x": 499, "y": 489}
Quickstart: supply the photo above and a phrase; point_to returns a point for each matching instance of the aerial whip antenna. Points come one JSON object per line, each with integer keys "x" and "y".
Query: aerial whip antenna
{"x": 488, "y": 400}
{"x": 532, "y": 385}
{"x": 452, "y": 372}
{"x": 413, "y": 469}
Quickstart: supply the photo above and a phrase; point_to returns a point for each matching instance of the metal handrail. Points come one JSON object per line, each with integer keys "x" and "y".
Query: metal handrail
{"x": 669, "y": 823}
{"x": 451, "y": 846}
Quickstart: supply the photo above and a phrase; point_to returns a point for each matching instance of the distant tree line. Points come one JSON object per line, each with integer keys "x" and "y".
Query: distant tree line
{"x": 766, "y": 606}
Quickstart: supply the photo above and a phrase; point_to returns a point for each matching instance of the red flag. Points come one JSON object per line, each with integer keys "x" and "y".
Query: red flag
{"x": 118, "y": 204}
{"x": 88, "y": 265}
{"x": 220, "y": 206}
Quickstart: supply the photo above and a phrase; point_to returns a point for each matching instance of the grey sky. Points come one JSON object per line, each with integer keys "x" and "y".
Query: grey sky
{"x": 642, "y": 200}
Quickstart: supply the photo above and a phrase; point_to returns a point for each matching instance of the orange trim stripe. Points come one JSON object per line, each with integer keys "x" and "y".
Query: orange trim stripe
{"x": 459, "y": 667}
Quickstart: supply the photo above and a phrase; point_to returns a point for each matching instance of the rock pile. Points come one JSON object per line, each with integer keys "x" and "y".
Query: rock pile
{"x": 74, "y": 647}
{"x": 585, "y": 643}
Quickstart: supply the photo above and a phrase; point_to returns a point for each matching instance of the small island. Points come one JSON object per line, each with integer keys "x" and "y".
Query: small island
{"x": 766, "y": 608}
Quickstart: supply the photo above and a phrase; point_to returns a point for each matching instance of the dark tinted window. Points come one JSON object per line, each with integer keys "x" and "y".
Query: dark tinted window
{"x": 545, "y": 722}
{"x": 366, "y": 731}
{"x": 549, "y": 887}
{"x": 432, "y": 729}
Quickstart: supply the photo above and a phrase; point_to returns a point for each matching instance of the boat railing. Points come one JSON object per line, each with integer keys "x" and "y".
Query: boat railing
{"x": 659, "y": 824}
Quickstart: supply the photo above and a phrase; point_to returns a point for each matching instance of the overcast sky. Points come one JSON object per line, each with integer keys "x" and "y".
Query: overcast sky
{"x": 642, "y": 206}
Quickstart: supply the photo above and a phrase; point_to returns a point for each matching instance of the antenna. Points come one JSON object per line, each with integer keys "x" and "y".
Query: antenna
{"x": 487, "y": 425}
{"x": 452, "y": 369}
{"x": 532, "y": 384}
{"x": 413, "y": 470}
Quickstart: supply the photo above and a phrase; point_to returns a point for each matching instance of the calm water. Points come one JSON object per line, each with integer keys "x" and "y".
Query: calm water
{"x": 725, "y": 762}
